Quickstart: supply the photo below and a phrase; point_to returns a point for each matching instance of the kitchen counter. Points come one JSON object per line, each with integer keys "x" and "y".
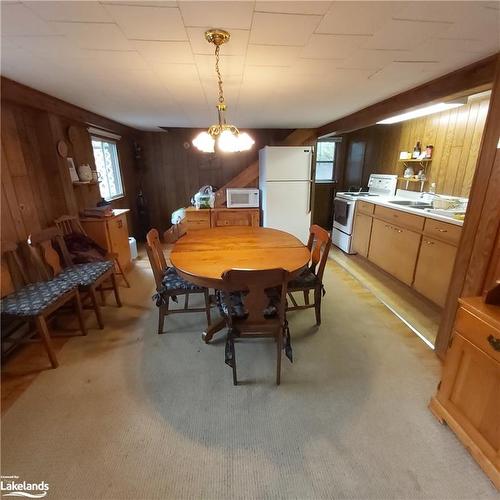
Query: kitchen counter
{"x": 386, "y": 202}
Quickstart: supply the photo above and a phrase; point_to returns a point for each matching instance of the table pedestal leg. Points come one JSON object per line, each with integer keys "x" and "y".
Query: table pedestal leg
{"x": 212, "y": 329}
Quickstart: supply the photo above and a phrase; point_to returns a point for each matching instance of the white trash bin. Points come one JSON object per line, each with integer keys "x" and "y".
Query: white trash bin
{"x": 133, "y": 247}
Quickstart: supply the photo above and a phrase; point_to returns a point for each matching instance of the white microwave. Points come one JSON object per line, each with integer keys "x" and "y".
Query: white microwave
{"x": 242, "y": 197}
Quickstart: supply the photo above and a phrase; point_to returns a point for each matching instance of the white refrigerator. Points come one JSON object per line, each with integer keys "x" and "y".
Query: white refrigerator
{"x": 285, "y": 184}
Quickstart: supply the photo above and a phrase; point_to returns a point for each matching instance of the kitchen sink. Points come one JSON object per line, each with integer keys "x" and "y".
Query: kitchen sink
{"x": 412, "y": 204}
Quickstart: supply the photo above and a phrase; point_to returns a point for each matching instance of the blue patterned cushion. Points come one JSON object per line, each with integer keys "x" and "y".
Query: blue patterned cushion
{"x": 235, "y": 302}
{"x": 305, "y": 279}
{"x": 85, "y": 274}
{"x": 34, "y": 298}
{"x": 173, "y": 282}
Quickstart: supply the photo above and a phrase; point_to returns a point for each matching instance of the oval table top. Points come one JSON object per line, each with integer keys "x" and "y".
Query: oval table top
{"x": 201, "y": 256}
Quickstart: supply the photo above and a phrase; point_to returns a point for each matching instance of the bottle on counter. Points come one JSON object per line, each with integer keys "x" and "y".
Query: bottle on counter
{"x": 428, "y": 151}
{"x": 417, "y": 150}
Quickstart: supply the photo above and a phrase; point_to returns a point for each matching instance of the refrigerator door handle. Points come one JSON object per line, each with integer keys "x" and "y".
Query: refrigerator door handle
{"x": 309, "y": 196}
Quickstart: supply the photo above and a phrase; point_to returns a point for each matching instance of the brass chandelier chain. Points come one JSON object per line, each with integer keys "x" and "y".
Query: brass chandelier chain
{"x": 219, "y": 77}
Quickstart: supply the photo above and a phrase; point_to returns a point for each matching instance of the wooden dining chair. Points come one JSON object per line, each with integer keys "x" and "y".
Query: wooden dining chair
{"x": 35, "y": 302}
{"x": 69, "y": 224}
{"x": 89, "y": 277}
{"x": 258, "y": 310}
{"x": 169, "y": 285}
{"x": 319, "y": 244}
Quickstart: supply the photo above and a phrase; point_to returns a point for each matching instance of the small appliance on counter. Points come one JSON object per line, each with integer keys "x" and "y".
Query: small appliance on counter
{"x": 242, "y": 197}
{"x": 204, "y": 198}
{"x": 345, "y": 204}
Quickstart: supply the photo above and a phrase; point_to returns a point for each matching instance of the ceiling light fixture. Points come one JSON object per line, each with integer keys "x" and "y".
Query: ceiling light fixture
{"x": 226, "y": 136}
{"x": 417, "y": 113}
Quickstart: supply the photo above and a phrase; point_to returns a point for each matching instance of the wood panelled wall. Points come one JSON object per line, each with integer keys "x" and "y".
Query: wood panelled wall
{"x": 36, "y": 186}
{"x": 173, "y": 170}
{"x": 456, "y": 137}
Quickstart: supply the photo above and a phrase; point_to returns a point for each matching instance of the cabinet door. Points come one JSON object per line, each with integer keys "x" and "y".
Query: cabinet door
{"x": 394, "y": 249}
{"x": 236, "y": 217}
{"x": 434, "y": 268}
{"x": 361, "y": 234}
{"x": 469, "y": 391}
{"x": 118, "y": 236}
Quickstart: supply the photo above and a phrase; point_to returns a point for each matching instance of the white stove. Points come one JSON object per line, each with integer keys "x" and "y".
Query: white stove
{"x": 345, "y": 205}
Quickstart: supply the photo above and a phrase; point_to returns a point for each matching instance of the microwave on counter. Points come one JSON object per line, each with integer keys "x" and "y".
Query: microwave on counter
{"x": 242, "y": 197}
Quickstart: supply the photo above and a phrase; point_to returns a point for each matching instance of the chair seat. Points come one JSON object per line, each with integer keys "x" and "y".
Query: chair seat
{"x": 35, "y": 297}
{"x": 85, "y": 274}
{"x": 172, "y": 281}
{"x": 237, "y": 305}
{"x": 307, "y": 279}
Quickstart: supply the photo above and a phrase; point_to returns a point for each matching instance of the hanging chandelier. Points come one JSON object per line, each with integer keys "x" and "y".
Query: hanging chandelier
{"x": 225, "y": 136}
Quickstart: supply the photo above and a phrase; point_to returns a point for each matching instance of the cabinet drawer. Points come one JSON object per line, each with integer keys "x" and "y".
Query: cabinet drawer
{"x": 198, "y": 224}
{"x": 234, "y": 217}
{"x": 364, "y": 207}
{"x": 198, "y": 215}
{"x": 446, "y": 232}
{"x": 404, "y": 219}
{"x": 477, "y": 332}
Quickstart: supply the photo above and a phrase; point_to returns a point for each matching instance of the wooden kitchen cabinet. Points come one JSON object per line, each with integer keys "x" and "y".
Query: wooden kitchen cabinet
{"x": 361, "y": 233}
{"x": 205, "y": 218}
{"x": 220, "y": 217}
{"x": 394, "y": 249}
{"x": 434, "y": 268}
{"x": 112, "y": 234}
{"x": 468, "y": 396}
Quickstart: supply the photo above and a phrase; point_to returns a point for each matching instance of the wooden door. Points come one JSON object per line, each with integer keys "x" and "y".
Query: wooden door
{"x": 353, "y": 176}
{"x": 361, "y": 234}
{"x": 469, "y": 391}
{"x": 394, "y": 249}
{"x": 434, "y": 268}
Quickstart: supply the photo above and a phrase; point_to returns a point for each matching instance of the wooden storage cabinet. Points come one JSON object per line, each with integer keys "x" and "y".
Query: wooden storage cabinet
{"x": 220, "y": 217}
{"x": 112, "y": 234}
{"x": 361, "y": 233}
{"x": 434, "y": 268}
{"x": 394, "y": 249}
{"x": 364, "y": 207}
{"x": 468, "y": 396}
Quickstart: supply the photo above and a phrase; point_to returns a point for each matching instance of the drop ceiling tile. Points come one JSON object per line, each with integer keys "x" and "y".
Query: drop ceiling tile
{"x": 93, "y": 35}
{"x": 144, "y": 3}
{"x": 266, "y": 77}
{"x": 333, "y": 46}
{"x": 17, "y": 19}
{"x": 294, "y": 7}
{"x": 225, "y": 15}
{"x": 70, "y": 11}
{"x": 437, "y": 11}
{"x": 164, "y": 52}
{"x": 116, "y": 60}
{"x": 181, "y": 73}
{"x": 404, "y": 34}
{"x": 357, "y": 17}
{"x": 236, "y": 46}
{"x": 373, "y": 58}
{"x": 148, "y": 23}
{"x": 313, "y": 67}
{"x": 272, "y": 55}
{"x": 282, "y": 29}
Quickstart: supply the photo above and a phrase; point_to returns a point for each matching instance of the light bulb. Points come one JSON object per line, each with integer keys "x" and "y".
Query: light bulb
{"x": 245, "y": 142}
{"x": 227, "y": 142}
{"x": 204, "y": 142}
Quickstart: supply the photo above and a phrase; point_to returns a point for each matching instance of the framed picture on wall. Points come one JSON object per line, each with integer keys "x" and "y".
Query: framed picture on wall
{"x": 72, "y": 170}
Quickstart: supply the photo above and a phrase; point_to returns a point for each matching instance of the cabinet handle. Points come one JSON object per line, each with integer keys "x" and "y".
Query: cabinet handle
{"x": 494, "y": 342}
{"x": 441, "y": 230}
{"x": 119, "y": 224}
{"x": 429, "y": 242}
{"x": 398, "y": 230}
{"x": 387, "y": 225}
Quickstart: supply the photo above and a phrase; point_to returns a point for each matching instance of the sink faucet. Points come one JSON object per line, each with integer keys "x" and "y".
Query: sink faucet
{"x": 429, "y": 193}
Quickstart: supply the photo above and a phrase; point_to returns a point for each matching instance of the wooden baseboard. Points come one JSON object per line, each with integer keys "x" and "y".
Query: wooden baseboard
{"x": 444, "y": 417}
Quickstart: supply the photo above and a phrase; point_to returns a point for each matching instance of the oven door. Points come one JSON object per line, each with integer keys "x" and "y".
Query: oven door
{"x": 343, "y": 216}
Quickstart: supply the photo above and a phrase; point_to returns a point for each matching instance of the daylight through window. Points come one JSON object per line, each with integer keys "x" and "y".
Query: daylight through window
{"x": 108, "y": 168}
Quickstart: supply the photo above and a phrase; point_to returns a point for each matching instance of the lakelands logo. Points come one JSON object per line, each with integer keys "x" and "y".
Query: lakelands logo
{"x": 10, "y": 486}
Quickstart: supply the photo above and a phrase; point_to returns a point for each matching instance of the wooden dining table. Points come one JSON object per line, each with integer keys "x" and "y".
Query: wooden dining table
{"x": 201, "y": 256}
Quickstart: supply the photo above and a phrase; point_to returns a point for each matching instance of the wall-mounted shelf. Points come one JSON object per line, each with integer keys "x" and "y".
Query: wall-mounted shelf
{"x": 85, "y": 183}
{"x": 411, "y": 179}
{"x": 416, "y": 160}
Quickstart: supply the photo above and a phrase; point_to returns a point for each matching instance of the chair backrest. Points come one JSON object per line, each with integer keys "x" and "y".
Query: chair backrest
{"x": 44, "y": 256}
{"x": 69, "y": 224}
{"x": 255, "y": 284}
{"x": 12, "y": 271}
{"x": 153, "y": 240}
{"x": 158, "y": 271}
{"x": 319, "y": 244}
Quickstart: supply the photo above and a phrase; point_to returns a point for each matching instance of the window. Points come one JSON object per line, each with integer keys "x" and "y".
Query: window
{"x": 108, "y": 168}
{"x": 325, "y": 160}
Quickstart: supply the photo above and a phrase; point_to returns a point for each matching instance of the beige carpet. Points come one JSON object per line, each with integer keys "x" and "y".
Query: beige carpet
{"x": 130, "y": 414}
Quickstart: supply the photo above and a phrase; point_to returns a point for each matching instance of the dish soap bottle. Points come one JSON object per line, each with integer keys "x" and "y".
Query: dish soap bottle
{"x": 416, "y": 151}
